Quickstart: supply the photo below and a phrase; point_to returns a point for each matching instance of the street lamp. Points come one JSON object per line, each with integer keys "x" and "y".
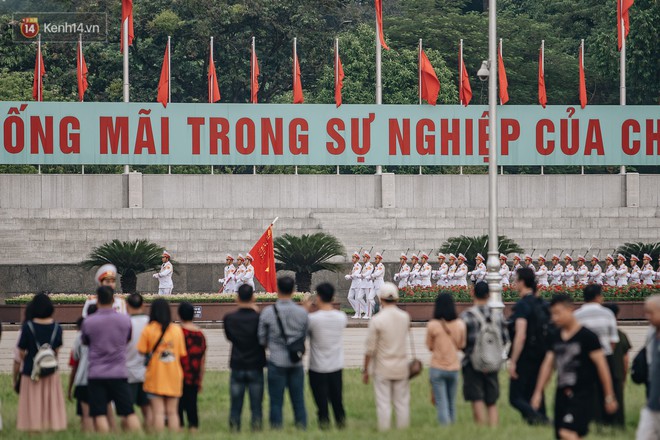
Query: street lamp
{"x": 493, "y": 276}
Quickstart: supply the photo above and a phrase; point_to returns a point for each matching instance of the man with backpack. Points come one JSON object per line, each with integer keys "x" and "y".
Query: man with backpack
{"x": 486, "y": 338}
{"x": 529, "y": 328}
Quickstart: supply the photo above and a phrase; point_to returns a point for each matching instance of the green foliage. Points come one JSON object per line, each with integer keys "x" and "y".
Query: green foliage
{"x": 639, "y": 249}
{"x": 130, "y": 257}
{"x": 470, "y": 246}
{"x": 307, "y": 254}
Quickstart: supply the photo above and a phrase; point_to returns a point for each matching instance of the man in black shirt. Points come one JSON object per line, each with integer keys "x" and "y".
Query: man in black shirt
{"x": 581, "y": 363}
{"x": 528, "y": 328}
{"x": 248, "y": 359}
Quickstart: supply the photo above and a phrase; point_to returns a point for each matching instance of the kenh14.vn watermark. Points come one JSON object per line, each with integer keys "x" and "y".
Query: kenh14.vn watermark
{"x": 59, "y": 26}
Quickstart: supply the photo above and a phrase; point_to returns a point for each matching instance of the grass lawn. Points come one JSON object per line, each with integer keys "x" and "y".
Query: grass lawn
{"x": 359, "y": 402}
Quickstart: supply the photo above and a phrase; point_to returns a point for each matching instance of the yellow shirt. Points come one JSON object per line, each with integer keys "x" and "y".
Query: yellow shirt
{"x": 164, "y": 375}
{"x": 444, "y": 346}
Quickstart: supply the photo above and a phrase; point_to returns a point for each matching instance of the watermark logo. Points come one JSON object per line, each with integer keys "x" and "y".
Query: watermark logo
{"x": 29, "y": 27}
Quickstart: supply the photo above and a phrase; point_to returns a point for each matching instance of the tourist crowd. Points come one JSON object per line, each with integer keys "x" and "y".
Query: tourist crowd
{"x": 122, "y": 362}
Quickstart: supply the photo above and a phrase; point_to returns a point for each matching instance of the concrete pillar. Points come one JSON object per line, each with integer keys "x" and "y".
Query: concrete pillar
{"x": 632, "y": 190}
{"x": 388, "y": 190}
{"x": 133, "y": 185}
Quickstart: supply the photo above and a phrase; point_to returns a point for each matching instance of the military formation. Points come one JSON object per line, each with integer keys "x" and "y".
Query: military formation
{"x": 235, "y": 276}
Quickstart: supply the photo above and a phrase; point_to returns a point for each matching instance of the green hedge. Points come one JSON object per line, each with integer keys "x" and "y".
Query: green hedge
{"x": 79, "y": 298}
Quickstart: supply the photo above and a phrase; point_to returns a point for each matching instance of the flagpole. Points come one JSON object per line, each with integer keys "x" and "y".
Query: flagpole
{"x": 460, "y": 69}
{"x": 622, "y": 62}
{"x": 252, "y": 57}
{"x": 336, "y": 63}
{"x": 82, "y": 98}
{"x": 419, "y": 71}
{"x": 126, "y": 78}
{"x": 543, "y": 58}
{"x": 212, "y": 78}
{"x": 295, "y": 60}
{"x": 379, "y": 84}
{"x": 498, "y": 60}
{"x": 39, "y": 77}
{"x": 169, "y": 71}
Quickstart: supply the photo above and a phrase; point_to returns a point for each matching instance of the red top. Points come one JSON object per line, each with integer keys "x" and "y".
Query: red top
{"x": 192, "y": 364}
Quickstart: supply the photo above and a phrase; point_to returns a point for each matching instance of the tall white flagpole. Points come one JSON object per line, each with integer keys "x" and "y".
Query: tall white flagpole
{"x": 39, "y": 77}
{"x": 169, "y": 71}
{"x": 126, "y": 79}
{"x": 379, "y": 83}
{"x": 419, "y": 71}
{"x": 252, "y": 59}
{"x": 210, "y": 86}
{"x": 460, "y": 69}
{"x": 336, "y": 62}
{"x": 622, "y": 68}
{"x": 80, "y": 56}
{"x": 499, "y": 53}
{"x": 295, "y": 60}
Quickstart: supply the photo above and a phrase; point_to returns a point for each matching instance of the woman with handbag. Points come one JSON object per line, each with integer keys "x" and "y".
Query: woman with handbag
{"x": 445, "y": 337}
{"x": 163, "y": 345}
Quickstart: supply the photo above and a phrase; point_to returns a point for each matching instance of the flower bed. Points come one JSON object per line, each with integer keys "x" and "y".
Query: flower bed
{"x": 197, "y": 298}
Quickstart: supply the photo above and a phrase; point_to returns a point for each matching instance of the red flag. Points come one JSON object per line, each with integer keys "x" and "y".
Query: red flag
{"x": 297, "y": 84}
{"x": 214, "y": 90}
{"x": 430, "y": 84}
{"x": 379, "y": 20}
{"x": 264, "y": 261}
{"x": 622, "y": 14}
{"x": 543, "y": 98}
{"x": 583, "y": 85}
{"x": 339, "y": 76}
{"x": 39, "y": 72}
{"x": 81, "y": 73}
{"x": 255, "y": 75}
{"x": 127, "y": 13}
{"x": 164, "y": 83}
{"x": 501, "y": 75}
{"x": 464, "y": 88}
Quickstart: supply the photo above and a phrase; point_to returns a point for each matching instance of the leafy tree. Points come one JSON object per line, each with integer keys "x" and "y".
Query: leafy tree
{"x": 470, "y": 246}
{"x": 307, "y": 254}
{"x": 130, "y": 257}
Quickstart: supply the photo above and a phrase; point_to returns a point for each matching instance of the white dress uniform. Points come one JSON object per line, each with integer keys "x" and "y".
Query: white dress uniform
{"x": 441, "y": 274}
{"x": 248, "y": 275}
{"x": 622, "y": 275}
{"x": 648, "y": 274}
{"x": 402, "y": 276}
{"x": 228, "y": 282}
{"x": 514, "y": 269}
{"x": 635, "y": 273}
{"x": 569, "y": 275}
{"x": 379, "y": 277}
{"x": 556, "y": 275}
{"x": 366, "y": 286}
{"x": 542, "y": 275}
{"x": 504, "y": 273}
{"x": 451, "y": 275}
{"x": 479, "y": 273}
{"x": 596, "y": 275}
{"x": 413, "y": 279}
{"x": 165, "y": 284}
{"x": 610, "y": 275}
{"x": 425, "y": 275}
{"x": 118, "y": 305}
{"x": 461, "y": 275}
{"x": 354, "y": 291}
{"x": 238, "y": 276}
{"x": 583, "y": 275}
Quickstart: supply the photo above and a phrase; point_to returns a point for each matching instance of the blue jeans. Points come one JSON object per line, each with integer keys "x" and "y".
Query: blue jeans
{"x": 292, "y": 378}
{"x": 444, "y": 384}
{"x": 239, "y": 381}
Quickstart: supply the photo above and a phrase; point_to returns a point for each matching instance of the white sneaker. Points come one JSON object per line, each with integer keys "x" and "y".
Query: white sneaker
{"x": 356, "y": 316}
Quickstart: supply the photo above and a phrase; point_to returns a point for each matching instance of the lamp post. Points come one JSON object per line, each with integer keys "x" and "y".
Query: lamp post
{"x": 492, "y": 263}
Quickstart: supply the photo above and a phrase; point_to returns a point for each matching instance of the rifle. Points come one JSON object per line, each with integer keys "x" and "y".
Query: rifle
{"x": 401, "y": 266}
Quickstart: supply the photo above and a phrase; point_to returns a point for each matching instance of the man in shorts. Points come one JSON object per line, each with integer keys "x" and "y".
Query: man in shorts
{"x": 581, "y": 364}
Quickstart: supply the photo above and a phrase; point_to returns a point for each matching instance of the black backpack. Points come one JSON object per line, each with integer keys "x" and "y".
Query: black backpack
{"x": 539, "y": 330}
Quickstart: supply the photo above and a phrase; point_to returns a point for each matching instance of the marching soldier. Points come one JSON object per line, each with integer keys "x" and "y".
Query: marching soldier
{"x": 106, "y": 275}
{"x": 164, "y": 277}
{"x": 635, "y": 271}
{"x": 596, "y": 274}
{"x": 354, "y": 291}
{"x": 610, "y": 271}
{"x": 582, "y": 271}
{"x": 366, "y": 283}
{"x": 569, "y": 272}
{"x": 451, "y": 271}
{"x": 240, "y": 270}
{"x": 228, "y": 280}
{"x": 480, "y": 271}
{"x": 516, "y": 266}
{"x": 413, "y": 279}
{"x": 529, "y": 263}
{"x": 378, "y": 276}
{"x": 248, "y": 275}
{"x": 542, "y": 273}
{"x": 647, "y": 270}
{"x": 504, "y": 271}
{"x": 441, "y": 273}
{"x": 404, "y": 272}
{"x": 461, "y": 271}
{"x": 425, "y": 271}
{"x": 622, "y": 274}
{"x": 557, "y": 272}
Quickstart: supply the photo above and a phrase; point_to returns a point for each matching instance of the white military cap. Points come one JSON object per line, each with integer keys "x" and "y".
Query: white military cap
{"x": 105, "y": 271}
{"x": 503, "y": 257}
{"x": 462, "y": 256}
{"x": 634, "y": 258}
{"x": 166, "y": 254}
{"x": 249, "y": 257}
{"x": 621, "y": 256}
{"x": 480, "y": 256}
{"x": 229, "y": 257}
{"x": 648, "y": 256}
{"x": 441, "y": 255}
{"x": 593, "y": 257}
{"x": 403, "y": 256}
{"x": 379, "y": 255}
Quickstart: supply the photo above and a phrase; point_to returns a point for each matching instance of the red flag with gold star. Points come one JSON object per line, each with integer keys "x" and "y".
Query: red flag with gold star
{"x": 264, "y": 261}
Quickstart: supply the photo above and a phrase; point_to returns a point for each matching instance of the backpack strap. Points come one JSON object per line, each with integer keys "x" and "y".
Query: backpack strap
{"x": 53, "y": 335}
{"x": 34, "y": 334}
{"x": 279, "y": 323}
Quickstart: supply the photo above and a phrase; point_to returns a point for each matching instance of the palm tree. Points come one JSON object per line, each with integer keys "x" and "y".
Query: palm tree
{"x": 307, "y": 254}
{"x": 130, "y": 257}
{"x": 470, "y": 246}
{"x": 639, "y": 249}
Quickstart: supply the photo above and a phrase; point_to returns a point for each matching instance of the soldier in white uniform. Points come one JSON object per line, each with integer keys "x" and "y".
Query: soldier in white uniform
{"x": 596, "y": 274}
{"x": 461, "y": 271}
{"x": 514, "y": 269}
{"x": 228, "y": 280}
{"x": 622, "y": 274}
{"x": 480, "y": 271}
{"x": 413, "y": 279}
{"x": 529, "y": 263}
{"x": 404, "y": 272}
{"x": 425, "y": 271}
{"x": 451, "y": 271}
{"x": 556, "y": 275}
{"x": 504, "y": 271}
{"x": 635, "y": 271}
{"x": 240, "y": 270}
{"x": 647, "y": 270}
{"x": 542, "y": 273}
{"x": 164, "y": 277}
{"x": 106, "y": 275}
{"x": 354, "y": 291}
{"x": 582, "y": 271}
{"x": 441, "y": 273}
{"x": 377, "y": 276}
{"x": 366, "y": 283}
{"x": 569, "y": 272}
{"x": 610, "y": 271}
{"x": 248, "y": 276}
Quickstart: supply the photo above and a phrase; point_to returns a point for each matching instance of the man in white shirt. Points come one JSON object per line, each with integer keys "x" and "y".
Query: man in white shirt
{"x": 135, "y": 360}
{"x": 164, "y": 277}
{"x": 326, "y": 356}
{"x": 106, "y": 275}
